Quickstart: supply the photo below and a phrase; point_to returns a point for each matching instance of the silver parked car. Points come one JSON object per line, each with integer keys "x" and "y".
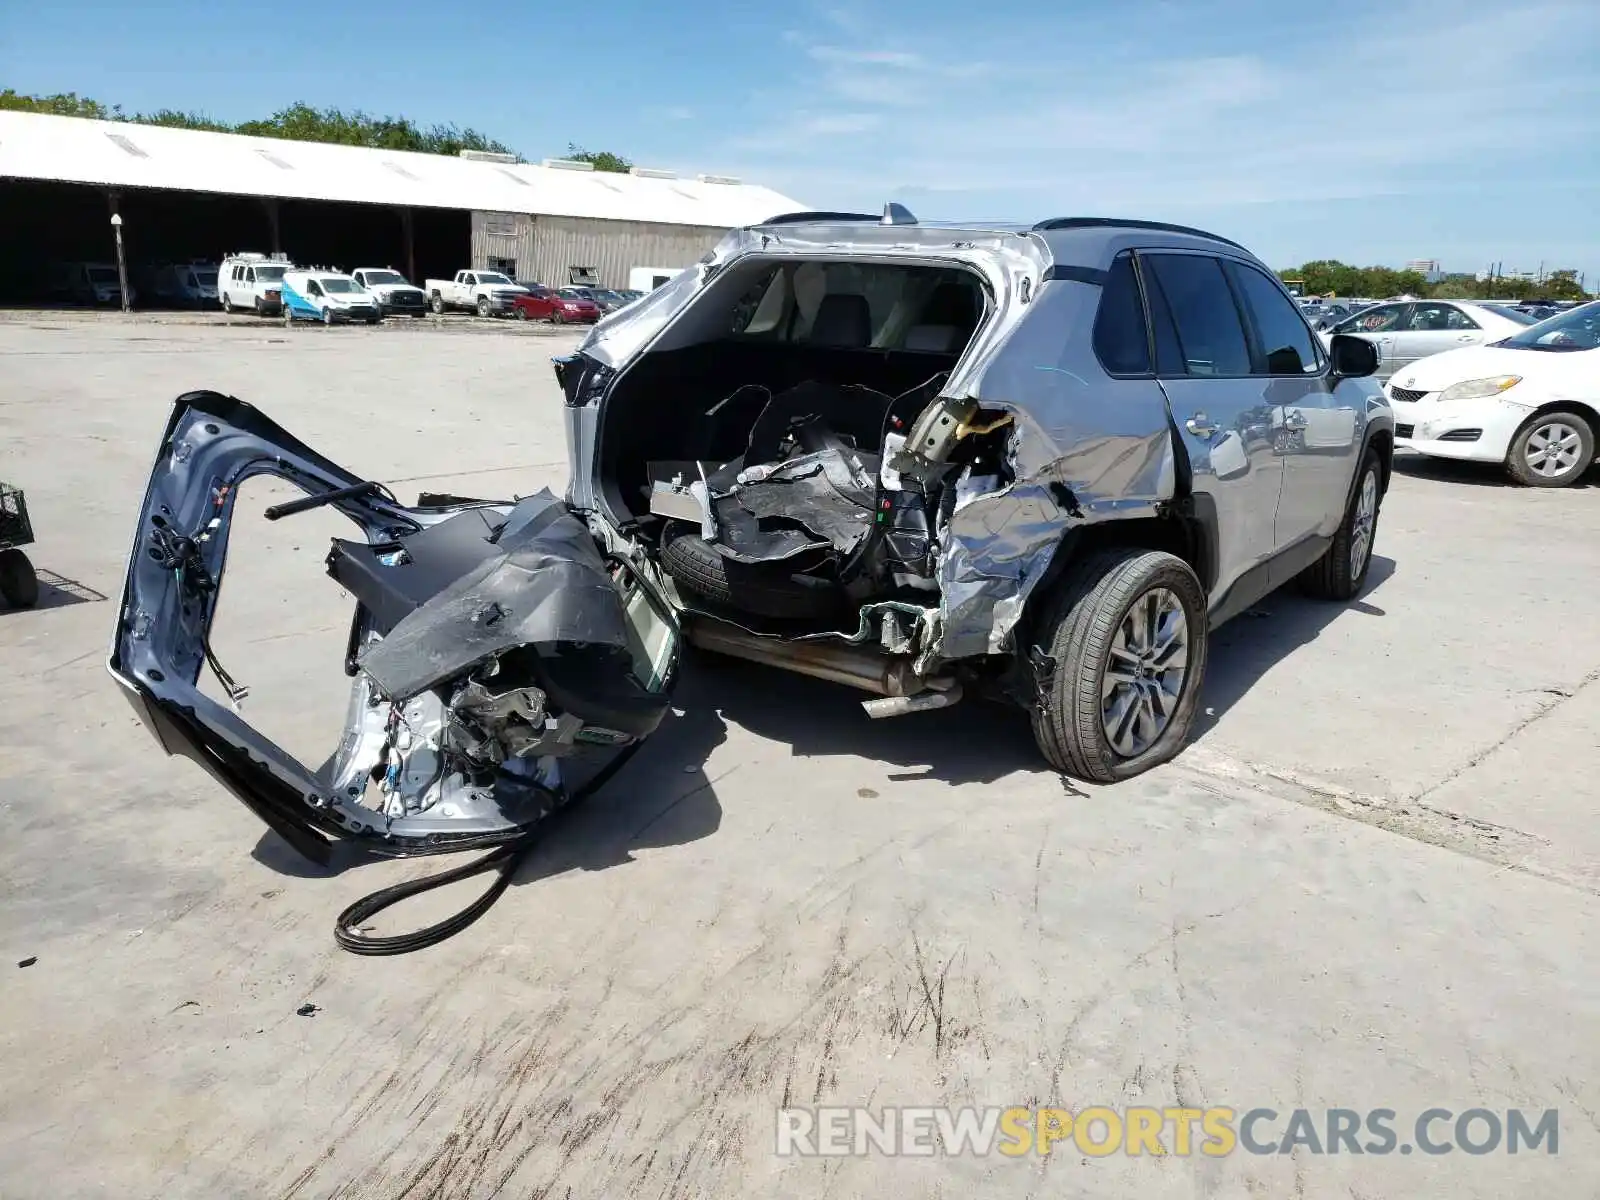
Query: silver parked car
{"x": 925, "y": 462}
{"x": 1404, "y": 331}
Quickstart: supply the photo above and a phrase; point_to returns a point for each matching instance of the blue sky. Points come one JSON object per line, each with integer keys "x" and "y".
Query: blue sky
{"x": 1366, "y": 130}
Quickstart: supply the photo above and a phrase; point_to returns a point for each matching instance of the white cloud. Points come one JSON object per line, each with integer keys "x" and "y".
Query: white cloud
{"x": 880, "y": 58}
{"x": 1315, "y": 104}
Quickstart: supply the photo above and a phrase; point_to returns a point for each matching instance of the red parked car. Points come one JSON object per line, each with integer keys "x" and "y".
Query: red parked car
{"x": 564, "y": 306}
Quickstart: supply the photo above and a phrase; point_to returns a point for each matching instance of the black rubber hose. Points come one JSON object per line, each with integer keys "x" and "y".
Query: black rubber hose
{"x": 505, "y": 859}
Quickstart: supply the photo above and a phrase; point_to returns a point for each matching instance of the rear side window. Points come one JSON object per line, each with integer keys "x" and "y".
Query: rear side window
{"x": 1210, "y": 334}
{"x": 1121, "y": 341}
{"x": 1285, "y": 345}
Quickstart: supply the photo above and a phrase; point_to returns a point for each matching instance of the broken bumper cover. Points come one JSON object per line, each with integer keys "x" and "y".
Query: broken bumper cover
{"x": 445, "y": 680}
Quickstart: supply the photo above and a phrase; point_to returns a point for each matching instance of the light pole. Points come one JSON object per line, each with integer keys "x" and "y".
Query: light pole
{"x": 122, "y": 266}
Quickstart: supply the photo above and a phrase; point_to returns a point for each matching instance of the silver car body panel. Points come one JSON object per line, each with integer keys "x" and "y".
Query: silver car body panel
{"x": 1083, "y": 447}
{"x": 394, "y": 782}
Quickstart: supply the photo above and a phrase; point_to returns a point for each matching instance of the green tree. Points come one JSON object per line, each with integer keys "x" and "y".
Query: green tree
{"x": 1562, "y": 285}
{"x": 62, "y": 104}
{"x": 299, "y": 122}
{"x": 1330, "y": 277}
{"x": 603, "y": 160}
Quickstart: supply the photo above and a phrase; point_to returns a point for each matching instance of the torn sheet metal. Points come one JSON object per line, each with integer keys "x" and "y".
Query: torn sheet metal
{"x": 828, "y": 493}
{"x": 545, "y": 584}
{"x": 430, "y": 797}
{"x": 1075, "y": 454}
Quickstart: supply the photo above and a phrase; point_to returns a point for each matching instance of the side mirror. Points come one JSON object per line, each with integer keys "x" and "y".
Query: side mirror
{"x": 1352, "y": 357}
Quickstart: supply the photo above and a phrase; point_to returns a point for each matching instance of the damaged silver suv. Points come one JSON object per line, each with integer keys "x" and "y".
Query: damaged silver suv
{"x": 926, "y": 462}
{"x": 1038, "y": 462}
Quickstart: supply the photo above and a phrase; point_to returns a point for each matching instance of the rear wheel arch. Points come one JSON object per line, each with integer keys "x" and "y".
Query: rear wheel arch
{"x": 1186, "y": 528}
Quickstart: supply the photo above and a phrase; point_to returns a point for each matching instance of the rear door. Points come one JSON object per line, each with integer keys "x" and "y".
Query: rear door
{"x": 1432, "y": 327}
{"x": 1316, "y": 438}
{"x": 1225, "y": 415}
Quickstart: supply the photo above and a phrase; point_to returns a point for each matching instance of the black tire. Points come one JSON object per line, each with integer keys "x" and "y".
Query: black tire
{"x": 436, "y": 303}
{"x": 227, "y": 304}
{"x": 1334, "y": 576}
{"x": 1093, "y": 600}
{"x": 522, "y": 314}
{"x": 483, "y": 307}
{"x": 556, "y": 318}
{"x": 765, "y": 590}
{"x": 19, "y": 584}
{"x": 1517, "y": 456}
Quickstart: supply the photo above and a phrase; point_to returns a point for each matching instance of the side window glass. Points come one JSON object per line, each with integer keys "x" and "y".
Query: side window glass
{"x": 1121, "y": 341}
{"x": 250, "y": 275}
{"x": 1286, "y": 345}
{"x": 1209, "y": 331}
{"x": 1169, "y": 354}
{"x": 471, "y": 279}
{"x": 1456, "y": 319}
{"x": 1382, "y": 319}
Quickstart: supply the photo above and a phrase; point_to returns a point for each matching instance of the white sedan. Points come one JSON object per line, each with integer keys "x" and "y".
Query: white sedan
{"x": 1407, "y": 330}
{"x": 1530, "y": 401}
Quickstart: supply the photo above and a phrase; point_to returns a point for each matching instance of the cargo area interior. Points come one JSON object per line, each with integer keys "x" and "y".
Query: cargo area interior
{"x": 785, "y": 447}
{"x": 766, "y": 328}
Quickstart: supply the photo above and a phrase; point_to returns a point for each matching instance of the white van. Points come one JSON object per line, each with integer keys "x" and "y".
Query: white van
{"x": 315, "y": 294}
{"x": 252, "y": 282}
{"x": 189, "y": 285}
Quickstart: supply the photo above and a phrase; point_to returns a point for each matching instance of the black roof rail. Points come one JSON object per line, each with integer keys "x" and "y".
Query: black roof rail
{"x": 801, "y": 218}
{"x": 1120, "y": 223}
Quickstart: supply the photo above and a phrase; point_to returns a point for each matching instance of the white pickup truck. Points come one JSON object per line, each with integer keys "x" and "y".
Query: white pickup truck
{"x": 485, "y": 292}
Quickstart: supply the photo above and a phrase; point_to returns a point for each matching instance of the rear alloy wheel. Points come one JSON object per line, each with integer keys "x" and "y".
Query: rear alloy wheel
{"x": 1340, "y": 572}
{"x": 522, "y": 314}
{"x": 19, "y": 584}
{"x": 1552, "y": 450}
{"x": 556, "y": 318}
{"x": 227, "y": 304}
{"x": 1126, "y": 644}
{"x": 483, "y": 306}
{"x": 436, "y": 302}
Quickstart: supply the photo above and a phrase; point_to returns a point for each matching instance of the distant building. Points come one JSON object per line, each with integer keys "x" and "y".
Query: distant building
{"x": 192, "y": 195}
{"x": 1428, "y": 268}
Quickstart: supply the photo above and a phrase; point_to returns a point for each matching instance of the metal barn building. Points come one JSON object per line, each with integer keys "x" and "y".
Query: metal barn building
{"x": 186, "y": 195}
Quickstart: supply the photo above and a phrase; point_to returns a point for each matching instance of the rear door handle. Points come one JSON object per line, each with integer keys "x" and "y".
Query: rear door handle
{"x": 1467, "y": 337}
{"x": 1200, "y": 425}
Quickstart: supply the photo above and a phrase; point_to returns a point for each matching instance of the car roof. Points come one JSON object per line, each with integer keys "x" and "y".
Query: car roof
{"x": 1068, "y": 240}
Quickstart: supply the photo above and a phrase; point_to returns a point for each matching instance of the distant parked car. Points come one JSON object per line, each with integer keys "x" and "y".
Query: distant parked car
{"x": 560, "y": 307}
{"x": 395, "y": 294}
{"x": 329, "y": 297}
{"x": 608, "y": 300}
{"x": 1408, "y": 330}
{"x": 1530, "y": 401}
{"x": 253, "y": 282}
{"x": 87, "y": 283}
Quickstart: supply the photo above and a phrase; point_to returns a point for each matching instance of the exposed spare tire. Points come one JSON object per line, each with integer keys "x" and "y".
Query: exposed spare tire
{"x": 761, "y": 589}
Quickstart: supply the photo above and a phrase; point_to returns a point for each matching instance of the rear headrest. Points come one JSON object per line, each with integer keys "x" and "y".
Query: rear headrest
{"x": 843, "y": 319}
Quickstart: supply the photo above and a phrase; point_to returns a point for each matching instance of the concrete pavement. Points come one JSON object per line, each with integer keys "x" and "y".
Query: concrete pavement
{"x": 1370, "y": 882}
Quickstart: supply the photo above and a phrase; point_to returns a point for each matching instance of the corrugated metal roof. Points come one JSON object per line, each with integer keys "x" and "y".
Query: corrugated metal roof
{"x": 117, "y": 154}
